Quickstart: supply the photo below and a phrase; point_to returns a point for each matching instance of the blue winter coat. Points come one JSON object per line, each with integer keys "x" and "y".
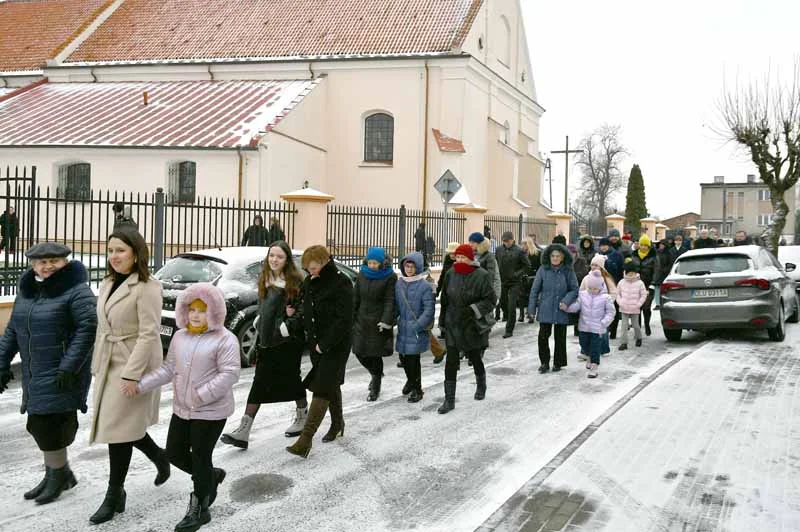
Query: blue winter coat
{"x": 614, "y": 263}
{"x": 52, "y": 326}
{"x": 551, "y": 287}
{"x": 415, "y": 316}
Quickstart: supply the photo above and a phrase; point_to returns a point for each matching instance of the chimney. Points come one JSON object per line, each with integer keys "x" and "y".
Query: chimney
{"x": 145, "y": 98}
{"x": 719, "y": 179}
{"x": 751, "y": 178}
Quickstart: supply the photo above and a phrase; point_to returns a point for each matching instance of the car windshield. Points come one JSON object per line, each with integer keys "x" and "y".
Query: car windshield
{"x": 189, "y": 270}
{"x": 707, "y": 264}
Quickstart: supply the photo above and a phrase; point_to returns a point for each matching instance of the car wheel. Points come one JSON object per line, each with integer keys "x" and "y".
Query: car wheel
{"x": 778, "y": 333}
{"x": 673, "y": 335}
{"x": 247, "y": 341}
{"x": 795, "y": 317}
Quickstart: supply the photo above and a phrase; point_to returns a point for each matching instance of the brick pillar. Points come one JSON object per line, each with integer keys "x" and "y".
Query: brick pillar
{"x": 562, "y": 223}
{"x": 474, "y": 220}
{"x": 691, "y": 230}
{"x": 310, "y": 222}
{"x": 615, "y": 221}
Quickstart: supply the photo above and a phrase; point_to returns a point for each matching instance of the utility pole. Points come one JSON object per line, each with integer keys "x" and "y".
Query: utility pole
{"x": 549, "y": 169}
{"x": 566, "y": 151}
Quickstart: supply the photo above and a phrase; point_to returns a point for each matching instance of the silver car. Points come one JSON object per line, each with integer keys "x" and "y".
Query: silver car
{"x": 741, "y": 287}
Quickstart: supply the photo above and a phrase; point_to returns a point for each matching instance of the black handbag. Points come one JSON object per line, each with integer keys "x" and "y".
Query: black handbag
{"x": 485, "y": 323}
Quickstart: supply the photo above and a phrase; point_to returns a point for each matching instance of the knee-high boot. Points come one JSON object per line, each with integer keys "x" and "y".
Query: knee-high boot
{"x": 337, "y": 418}
{"x": 449, "y": 397}
{"x": 316, "y": 413}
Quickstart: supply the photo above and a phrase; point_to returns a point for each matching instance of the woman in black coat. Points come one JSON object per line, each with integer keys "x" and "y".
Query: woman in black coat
{"x": 373, "y": 310}
{"x": 646, "y": 259}
{"x": 280, "y": 345}
{"x": 467, "y": 297}
{"x": 52, "y": 326}
{"x": 328, "y": 321}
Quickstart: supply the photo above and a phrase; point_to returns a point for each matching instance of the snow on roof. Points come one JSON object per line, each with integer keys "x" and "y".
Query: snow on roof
{"x": 211, "y": 29}
{"x": 210, "y": 114}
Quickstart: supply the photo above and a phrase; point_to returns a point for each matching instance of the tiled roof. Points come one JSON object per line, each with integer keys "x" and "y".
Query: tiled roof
{"x": 34, "y": 31}
{"x": 207, "y": 114}
{"x": 448, "y": 144}
{"x": 163, "y": 30}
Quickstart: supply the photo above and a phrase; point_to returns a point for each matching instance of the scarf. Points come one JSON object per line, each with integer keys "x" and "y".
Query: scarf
{"x": 376, "y": 275}
{"x": 197, "y": 330}
{"x": 278, "y": 282}
{"x": 464, "y": 268}
{"x": 414, "y": 278}
{"x": 639, "y": 251}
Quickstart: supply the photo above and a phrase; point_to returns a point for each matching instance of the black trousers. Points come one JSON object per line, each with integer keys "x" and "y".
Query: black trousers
{"x": 119, "y": 456}
{"x": 9, "y": 242}
{"x": 560, "y": 358}
{"x": 612, "y": 329}
{"x": 189, "y": 447}
{"x": 453, "y": 361}
{"x": 372, "y": 364}
{"x": 509, "y": 295}
{"x": 647, "y": 310}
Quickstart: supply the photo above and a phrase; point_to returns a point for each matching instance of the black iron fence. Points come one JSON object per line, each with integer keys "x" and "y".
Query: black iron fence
{"x": 542, "y": 231}
{"x": 42, "y": 214}
{"x": 353, "y": 229}
{"x": 580, "y": 226}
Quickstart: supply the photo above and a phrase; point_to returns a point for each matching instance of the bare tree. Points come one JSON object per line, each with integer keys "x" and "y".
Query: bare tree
{"x": 602, "y": 177}
{"x": 764, "y": 117}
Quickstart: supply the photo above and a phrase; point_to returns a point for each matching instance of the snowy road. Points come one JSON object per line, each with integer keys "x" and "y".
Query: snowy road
{"x": 399, "y": 467}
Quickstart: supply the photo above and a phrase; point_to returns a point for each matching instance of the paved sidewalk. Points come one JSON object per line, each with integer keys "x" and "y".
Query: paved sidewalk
{"x": 710, "y": 445}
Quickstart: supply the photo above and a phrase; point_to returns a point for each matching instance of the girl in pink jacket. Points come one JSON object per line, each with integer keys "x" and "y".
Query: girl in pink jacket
{"x": 631, "y": 295}
{"x": 203, "y": 365}
{"x": 597, "y": 313}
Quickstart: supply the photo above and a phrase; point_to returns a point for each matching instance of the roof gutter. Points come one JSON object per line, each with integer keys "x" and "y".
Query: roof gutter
{"x": 241, "y": 174}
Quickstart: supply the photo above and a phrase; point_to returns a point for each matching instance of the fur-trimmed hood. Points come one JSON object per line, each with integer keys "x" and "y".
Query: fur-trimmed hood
{"x": 72, "y": 274}
{"x": 211, "y": 296}
{"x": 483, "y": 247}
{"x": 568, "y": 260}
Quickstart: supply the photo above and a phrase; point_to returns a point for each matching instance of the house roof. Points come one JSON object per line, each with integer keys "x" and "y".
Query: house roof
{"x": 174, "y": 30}
{"x": 37, "y": 30}
{"x": 182, "y": 114}
{"x": 448, "y": 144}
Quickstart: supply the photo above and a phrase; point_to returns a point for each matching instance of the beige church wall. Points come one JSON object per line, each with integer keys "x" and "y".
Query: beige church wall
{"x": 287, "y": 164}
{"x": 305, "y": 121}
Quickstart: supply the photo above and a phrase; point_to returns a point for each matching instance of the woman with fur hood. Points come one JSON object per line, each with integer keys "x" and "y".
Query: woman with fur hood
{"x": 203, "y": 365}
{"x": 554, "y": 289}
{"x": 373, "y": 312}
{"x": 415, "y": 307}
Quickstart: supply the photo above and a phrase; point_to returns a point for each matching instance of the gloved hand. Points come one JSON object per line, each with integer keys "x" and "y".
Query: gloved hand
{"x": 66, "y": 381}
{"x": 5, "y": 376}
{"x": 383, "y": 327}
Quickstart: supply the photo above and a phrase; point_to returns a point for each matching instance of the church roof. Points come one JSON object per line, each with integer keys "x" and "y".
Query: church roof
{"x": 34, "y": 31}
{"x": 202, "y": 30}
{"x": 176, "y": 114}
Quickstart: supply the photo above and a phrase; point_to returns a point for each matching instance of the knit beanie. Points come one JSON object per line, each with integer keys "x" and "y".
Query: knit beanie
{"x": 605, "y": 241}
{"x": 377, "y": 254}
{"x": 560, "y": 239}
{"x": 507, "y": 235}
{"x": 630, "y": 267}
{"x": 476, "y": 237}
{"x": 626, "y": 237}
{"x": 595, "y": 280}
{"x": 644, "y": 240}
{"x": 613, "y": 232}
{"x": 599, "y": 260}
{"x": 466, "y": 250}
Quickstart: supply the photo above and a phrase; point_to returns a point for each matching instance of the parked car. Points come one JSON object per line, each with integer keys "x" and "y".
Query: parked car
{"x": 741, "y": 287}
{"x": 789, "y": 257}
{"x": 235, "y": 271}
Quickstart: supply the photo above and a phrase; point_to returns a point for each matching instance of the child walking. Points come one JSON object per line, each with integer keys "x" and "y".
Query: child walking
{"x": 597, "y": 313}
{"x": 203, "y": 365}
{"x": 631, "y": 295}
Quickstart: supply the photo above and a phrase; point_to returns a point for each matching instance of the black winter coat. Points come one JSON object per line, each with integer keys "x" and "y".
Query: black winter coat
{"x": 666, "y": 259}
{"x": 275, "y": 234}
{"x": 462, "y": 296}
{"x": 328, "y": 322}
{"x": 583, "y": 260}
{"x": 256, "y": 235}
{"x": 648, "y": 267}
{"x": 9, "y": 225}
{"x": 512, "y": 263}
{"x": 373, "y": 302}
{"x": 272, "y": 313}
{"x": 53, "y": 327}
{"x": 701, "y": 243}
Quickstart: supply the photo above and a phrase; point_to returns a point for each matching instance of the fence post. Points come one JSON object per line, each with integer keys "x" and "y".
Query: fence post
{"x": 401, "y": 238}
{"x": 519, "y": 229}
{"x": 158, "y": 230}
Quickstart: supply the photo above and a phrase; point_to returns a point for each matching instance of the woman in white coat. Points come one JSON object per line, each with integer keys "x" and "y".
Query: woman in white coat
{"x": 127, "y": 346}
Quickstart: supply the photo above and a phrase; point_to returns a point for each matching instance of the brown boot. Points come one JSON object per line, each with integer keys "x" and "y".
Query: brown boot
{"x": 316, "y": 413}
{"x": 337, "y": 418}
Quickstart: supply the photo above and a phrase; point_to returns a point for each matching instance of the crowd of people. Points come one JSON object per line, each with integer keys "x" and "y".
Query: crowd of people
{"x": 111, "y": 344}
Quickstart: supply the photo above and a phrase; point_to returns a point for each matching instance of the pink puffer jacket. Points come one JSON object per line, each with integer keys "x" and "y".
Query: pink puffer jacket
{"x": 202, "y": 367}
{"x": 631, "y": 295}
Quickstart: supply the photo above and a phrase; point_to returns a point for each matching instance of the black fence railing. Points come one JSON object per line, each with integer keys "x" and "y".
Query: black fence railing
{"x": 42, "y": 214}
{"x": 542, "y": 231}
{"x": 352, "y": 230}
{"x": 580, "y": 226}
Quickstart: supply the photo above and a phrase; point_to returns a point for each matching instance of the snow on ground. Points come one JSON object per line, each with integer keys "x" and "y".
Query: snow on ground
{"x": 399, "y": 467}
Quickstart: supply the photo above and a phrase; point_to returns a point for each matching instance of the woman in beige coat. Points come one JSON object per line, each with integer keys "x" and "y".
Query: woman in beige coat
{"x": 127, "y": 346}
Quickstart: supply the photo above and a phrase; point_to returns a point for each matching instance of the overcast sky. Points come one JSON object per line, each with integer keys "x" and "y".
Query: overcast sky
{"x": 658, "y": 72}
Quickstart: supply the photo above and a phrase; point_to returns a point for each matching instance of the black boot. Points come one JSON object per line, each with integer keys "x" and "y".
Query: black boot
{"x": 449, "y": 397}
{"x": 197, "y": 515}
{"x": 409, "y": 385}
{"x": 374, "y": 388}
{"x": 57, "y": 480}
{"x": 35, "y": 492}
{"x": 162, "y": 464}
{"x": 480, "y": 390}
{"x": 415, "y": 378}
{"x": 114, "y": 503}
{"x": 219, "y": 476}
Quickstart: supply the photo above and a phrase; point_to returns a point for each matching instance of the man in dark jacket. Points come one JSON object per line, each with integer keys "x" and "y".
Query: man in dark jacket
{"x": 419, "y": 243}
{"x": 742, "y": 239}
{"x": 704, "y": 241}
{"x": 614, "y": 264}
{"x": 256, "y": 234}
{"x": 275, "y": 232}
{"x": 9, "y": 230}
{"x": 513, "y": 265}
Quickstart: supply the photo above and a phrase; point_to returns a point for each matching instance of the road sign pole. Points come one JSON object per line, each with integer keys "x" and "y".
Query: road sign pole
{"x": 444, "y": 231}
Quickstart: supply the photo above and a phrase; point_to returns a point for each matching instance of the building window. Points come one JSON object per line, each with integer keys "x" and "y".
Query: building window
{"x": 764, "y": 219}
{"x": 506, "y": 133}
{"x": 74, "y": 182}
{"x": 379, "y": 138}
{"x": 182, "y": 182}
{"x": 504, "y": 50}
{"x": 764, "y": 195}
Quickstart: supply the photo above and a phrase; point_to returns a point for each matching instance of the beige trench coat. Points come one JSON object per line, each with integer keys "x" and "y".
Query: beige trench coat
{"x": 127, "y": 345}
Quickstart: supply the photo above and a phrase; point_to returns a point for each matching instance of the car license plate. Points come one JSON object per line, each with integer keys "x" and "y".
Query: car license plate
{"x": 711, "y": 292}
{"x": 166, "y": 331}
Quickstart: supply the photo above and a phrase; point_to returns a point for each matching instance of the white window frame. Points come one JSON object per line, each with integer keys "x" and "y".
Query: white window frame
{"x": 764, "y": 194}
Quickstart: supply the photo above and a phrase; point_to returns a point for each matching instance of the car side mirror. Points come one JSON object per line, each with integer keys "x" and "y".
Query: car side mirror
{"x": 790, "y": 267}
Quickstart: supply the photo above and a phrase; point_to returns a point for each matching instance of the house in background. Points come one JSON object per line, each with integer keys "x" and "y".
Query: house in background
{"x": 681, "y": 221}
{"x": 732, "y": 207}
{"x": 368, "y": 101}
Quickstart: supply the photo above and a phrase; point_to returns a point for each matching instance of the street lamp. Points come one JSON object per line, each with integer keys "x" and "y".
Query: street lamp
{"x": 549, "y": 168}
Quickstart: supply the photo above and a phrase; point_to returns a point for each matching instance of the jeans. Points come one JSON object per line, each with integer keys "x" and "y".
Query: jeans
{"x": 592, "y": 343}
{"x": 189, "y": 447}
{"x": 509, "y": 295}
{"x": 560, "y": 358}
